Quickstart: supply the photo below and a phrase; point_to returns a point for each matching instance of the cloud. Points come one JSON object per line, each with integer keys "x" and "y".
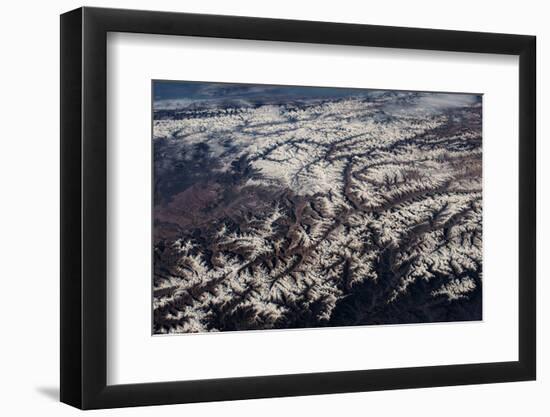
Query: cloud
{"x": 441, "y": 101}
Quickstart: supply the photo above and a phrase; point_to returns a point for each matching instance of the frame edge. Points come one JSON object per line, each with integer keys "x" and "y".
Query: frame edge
{"x": 527, "y": 207}
{"x": 70, "y": 214}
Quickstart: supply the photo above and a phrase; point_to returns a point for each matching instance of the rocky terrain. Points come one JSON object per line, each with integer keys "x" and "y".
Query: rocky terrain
{"x": 337, "y": 211}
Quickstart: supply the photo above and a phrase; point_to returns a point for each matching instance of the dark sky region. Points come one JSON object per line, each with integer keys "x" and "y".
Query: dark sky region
{"x": 174, "y": 90}
{"x": 174, "y": 94}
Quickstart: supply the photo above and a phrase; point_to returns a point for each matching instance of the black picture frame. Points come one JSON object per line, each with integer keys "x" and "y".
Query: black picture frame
{"x": 84, "y": 207}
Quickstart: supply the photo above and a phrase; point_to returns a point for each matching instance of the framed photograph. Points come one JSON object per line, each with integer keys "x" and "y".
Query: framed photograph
{"x": 257, "y": 208}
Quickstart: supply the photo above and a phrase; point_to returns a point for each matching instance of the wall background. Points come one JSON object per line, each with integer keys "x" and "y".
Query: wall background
{"x": 29, "y": 177}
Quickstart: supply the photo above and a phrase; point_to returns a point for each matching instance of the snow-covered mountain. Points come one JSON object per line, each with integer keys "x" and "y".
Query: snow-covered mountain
{"x": 314, "y": 212}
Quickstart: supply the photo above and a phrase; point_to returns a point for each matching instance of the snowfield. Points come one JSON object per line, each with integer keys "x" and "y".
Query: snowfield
{"x": 346, "y": 211}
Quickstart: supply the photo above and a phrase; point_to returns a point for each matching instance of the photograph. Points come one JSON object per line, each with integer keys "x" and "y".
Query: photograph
{"x": 292, "y": 207}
